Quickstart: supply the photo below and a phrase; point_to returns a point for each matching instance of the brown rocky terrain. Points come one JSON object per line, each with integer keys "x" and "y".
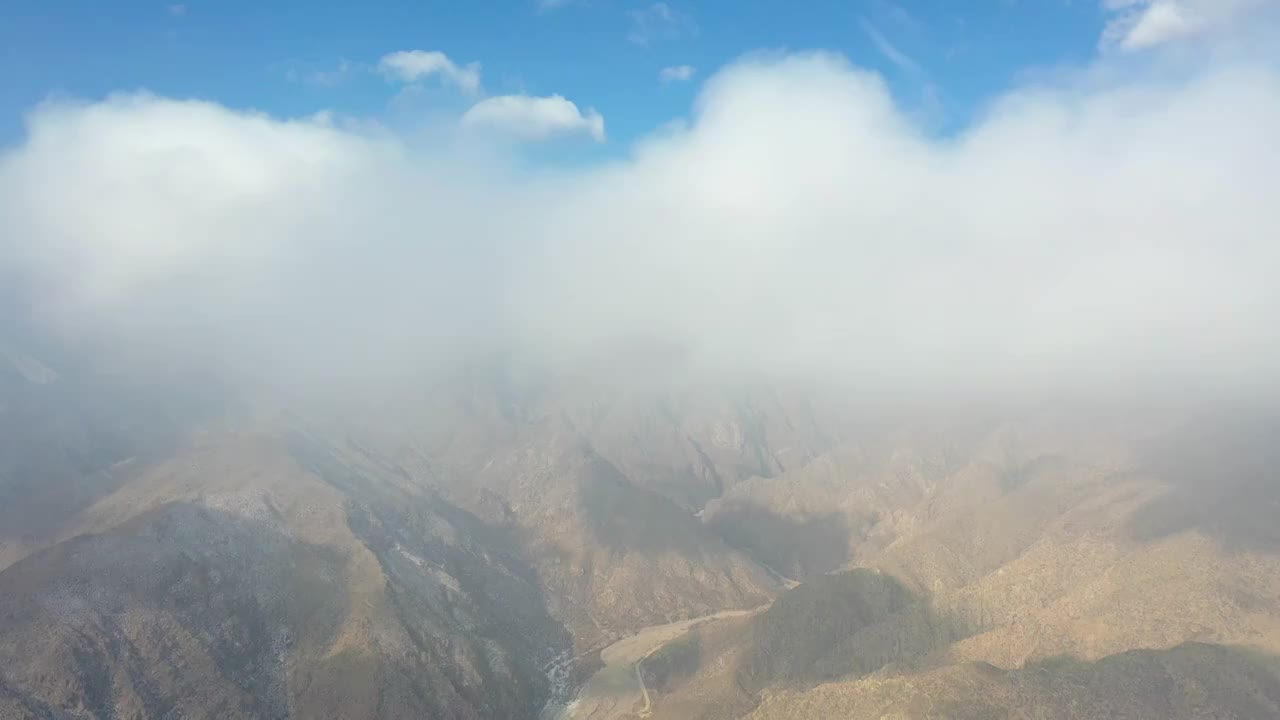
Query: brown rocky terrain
{"x": 466, "y": 550}
{"x": 1078, "y": 572}
{"x": 240, "y": 579}
{"x": 226, "y": 562}
{"x": 1191, "y": 680}
{"x": 604, "y": 490}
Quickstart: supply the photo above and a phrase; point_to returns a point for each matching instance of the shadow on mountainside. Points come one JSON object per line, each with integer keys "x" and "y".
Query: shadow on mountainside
{"x": 624, "y": 517}
{"x": 1192, "y": 680}
{"x": 1224, "y": 478}
{"x": 832, "y": 628}
{"x": 795, "y": 548}
{"x": 847, "y": 624}
{"x": 678, "y": 660}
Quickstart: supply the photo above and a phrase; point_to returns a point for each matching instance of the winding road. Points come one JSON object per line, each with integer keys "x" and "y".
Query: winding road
{"x": 617, "y": 690}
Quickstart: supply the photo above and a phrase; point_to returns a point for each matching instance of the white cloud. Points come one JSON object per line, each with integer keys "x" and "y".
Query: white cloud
{"x": 413, "y": 65}
{"x": 658, "y": 21}
{"x": 1144, "y": 24}
{"x": 534, "y": 118}
{"x": 1102, "y": 235}
{"x": 677, "y": 73}
{"x": 889, "y": 50}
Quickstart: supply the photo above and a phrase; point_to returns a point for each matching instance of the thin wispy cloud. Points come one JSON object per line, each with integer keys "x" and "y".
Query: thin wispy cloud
{"x": 929, "y": 109}
{"x": 888, "y": 49}
{"x": 338, "y": 75}
{"x": 658, "y": 21}
{"x": 1138, "y": 25}
{"x": 895, "y": 13}
{"x": 677, "y": 73}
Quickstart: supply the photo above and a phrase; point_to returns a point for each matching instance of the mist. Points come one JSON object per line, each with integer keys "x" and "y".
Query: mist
{"x": 1109, "y": 227}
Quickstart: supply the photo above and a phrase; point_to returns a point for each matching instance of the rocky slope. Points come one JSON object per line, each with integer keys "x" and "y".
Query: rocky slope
{"x": 253, "y": 576}
{"x": 1191, "y": 680}
{"x": 224, "y": 562}
{"x": 604, "y": 491}
{"x": 1140, "y": 555}
{"x": 460, "y": 549}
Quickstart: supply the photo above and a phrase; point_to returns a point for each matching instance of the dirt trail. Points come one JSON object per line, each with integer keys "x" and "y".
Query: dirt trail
{"x": 615, "y": 691}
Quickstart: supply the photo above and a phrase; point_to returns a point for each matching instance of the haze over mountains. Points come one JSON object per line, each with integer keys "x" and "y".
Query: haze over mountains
{"x": 467, "y": 556}
{"x": 797, "y": 410}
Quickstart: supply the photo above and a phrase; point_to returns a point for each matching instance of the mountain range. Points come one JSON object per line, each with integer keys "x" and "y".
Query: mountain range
{"x": 466, "y": 547}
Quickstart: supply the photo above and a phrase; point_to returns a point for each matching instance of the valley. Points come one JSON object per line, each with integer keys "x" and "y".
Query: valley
{"x": 473, "y": 556}
{"x": 618, "y": 689}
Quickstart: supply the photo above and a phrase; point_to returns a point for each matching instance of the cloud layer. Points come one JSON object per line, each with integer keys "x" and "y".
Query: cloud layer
{"x": 1090, "y": 234}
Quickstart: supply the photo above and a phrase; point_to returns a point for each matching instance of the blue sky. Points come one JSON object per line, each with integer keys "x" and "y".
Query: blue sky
{"x": 943, "y": 59}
